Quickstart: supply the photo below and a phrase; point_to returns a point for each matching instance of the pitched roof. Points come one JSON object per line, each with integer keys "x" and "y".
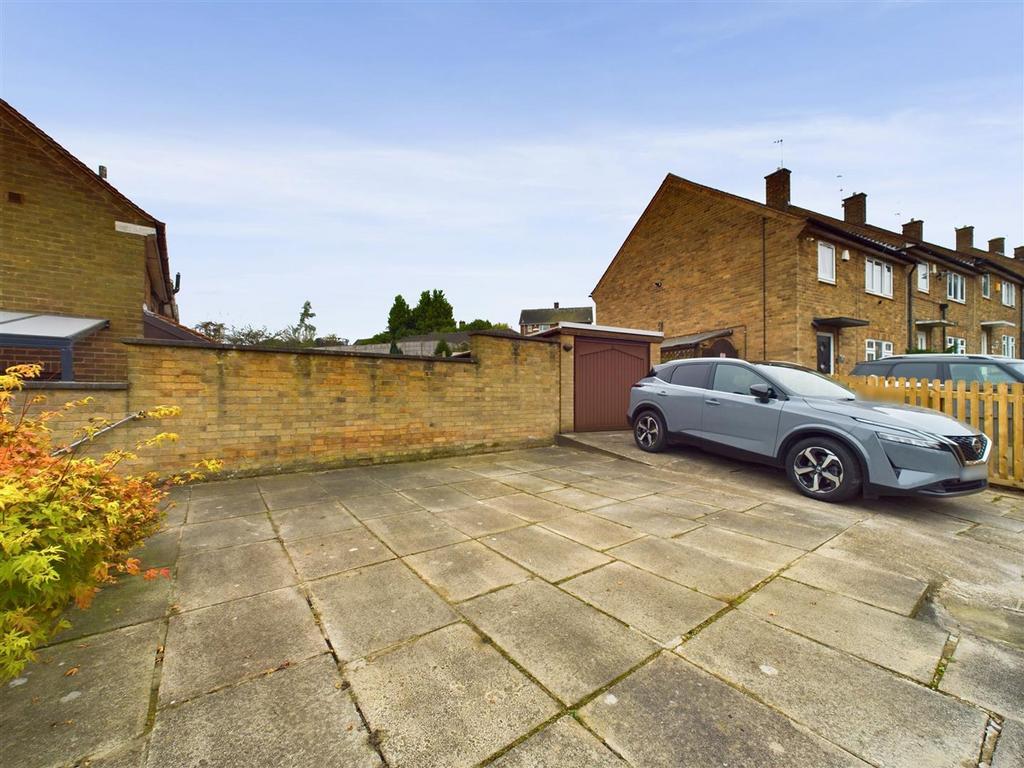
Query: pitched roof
{"x": 77, "y": 166}
{"x": 551, "y": 315}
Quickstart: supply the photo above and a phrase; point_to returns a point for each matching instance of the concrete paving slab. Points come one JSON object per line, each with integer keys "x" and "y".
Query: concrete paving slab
{"x": 204, "y": 509}
{"x": 344, "y": 486}
{"x": 1010, "y": 747}
{"x": 281, "y": 482}
{"x": 242, "y": 486}
{"x": 642, "y": 717}
{"x": 471, "y": 704}
{"x": 530, "y": 508}
{"x": 439, "y": 498}
{"x": 82, "y": 697}
{"x": 618, "y": 489}
{"x": 332, "y": 553}
{"x": 577, "y": 499}
{"x": 987, "y": 673}
{"x": 563, "y": 475}
{"x": 214, "y": 576}
{"x": 414, "y": 532}
{"x": 992, "y": 519}
{"x": 547, "y": 554}
{"x": 778, "y": 530}
{"x": 230, "y": 532}
{"x": 722, "y": 499}
{"x": 861, "y": 581}
{"x": 532, "y": 483}
{"x": 592, "y": 531}
{"x": 715, "y": 576}
{"x": 741, "y": 548}
{"x": 300, "y": 716}
{"x": 159, "y": 550}
{"x": 366, "y": 610}
{"x": 380, "y": 505}
{"x": 659, "y": 502}
{"x": 657, "y": 607}
{"x": 562, "y": 744}
{"x": 130, "y": 755}
{"x": 568, "y": 646}
{"x": 288, "y": 498}
{"x": 481, "y": 519}
{"x": 226, "y": 643}
{"x": 878, "y": 716}
{"x": 465, "y": 570}
{"x": 1001, "y": 538}
{"x": 131, "y": 600}
{"x": 494, "y": 470}
{"x": 827, "y": 517}
{"x": 485, "y": 489}
{"x": 646, "y": 520}
{"x": 904, "y": 645}
{"x": 314, "y": 520}
{"x": 175, "y": 513}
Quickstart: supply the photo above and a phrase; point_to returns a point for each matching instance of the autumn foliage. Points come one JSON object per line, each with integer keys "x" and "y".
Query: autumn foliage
{"x": 67, "y": 523}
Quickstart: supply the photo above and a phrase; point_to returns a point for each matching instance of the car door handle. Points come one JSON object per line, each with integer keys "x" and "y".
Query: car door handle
{"x": 712, "y": 401}
{"x": 662, "y": 394}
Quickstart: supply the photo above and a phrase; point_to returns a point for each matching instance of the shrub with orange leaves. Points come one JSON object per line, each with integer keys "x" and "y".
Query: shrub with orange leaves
{"x": 67, "y": 523}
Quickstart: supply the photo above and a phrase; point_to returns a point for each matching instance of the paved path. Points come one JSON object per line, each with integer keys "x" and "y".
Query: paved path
{"x": 552, "y": 607}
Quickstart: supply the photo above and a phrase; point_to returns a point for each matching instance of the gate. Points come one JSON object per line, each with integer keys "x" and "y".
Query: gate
{"x": 604, "y": 371}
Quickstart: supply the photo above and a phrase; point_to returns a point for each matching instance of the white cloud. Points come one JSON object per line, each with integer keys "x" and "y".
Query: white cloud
{"x": 259, "y": 224}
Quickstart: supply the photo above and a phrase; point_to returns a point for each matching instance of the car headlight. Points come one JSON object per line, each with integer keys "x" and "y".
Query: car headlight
{"x": 921, "y": 441}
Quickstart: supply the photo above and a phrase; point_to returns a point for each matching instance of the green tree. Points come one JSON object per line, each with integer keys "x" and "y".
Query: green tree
{"x": 249, "y": 336}
{"x": 433, "y": 313}
{"x": 400, "y": 320}
{"x": 442, "y": 349}
{"x": 212, "y": 330}
{"x": 303, "y": 333}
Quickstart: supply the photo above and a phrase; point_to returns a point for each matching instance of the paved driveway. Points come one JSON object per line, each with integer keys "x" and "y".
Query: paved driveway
{"x": 551, "y": 607}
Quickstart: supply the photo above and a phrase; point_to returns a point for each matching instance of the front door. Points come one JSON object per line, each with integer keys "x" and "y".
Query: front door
{"x": 826, "y": 353}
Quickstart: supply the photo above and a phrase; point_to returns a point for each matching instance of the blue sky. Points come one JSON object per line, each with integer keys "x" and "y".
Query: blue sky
{"x": 344, "y": 153}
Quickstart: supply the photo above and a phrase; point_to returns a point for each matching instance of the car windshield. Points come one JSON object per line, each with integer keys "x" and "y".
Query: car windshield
{"x": 1017, "y": 367}
{"x": 804, "y": 383}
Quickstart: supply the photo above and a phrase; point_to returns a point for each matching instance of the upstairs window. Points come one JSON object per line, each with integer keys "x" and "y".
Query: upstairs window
{"x": 876, "y": 349}
{"x": 878, "y": 278}
{"x": 922, "y": 277}
{"x": 986, "y": 285}
{"x": 1009, "y": 291}
{"x": 956, "y": 345}
{"x": 956, "y": 288}
{"x": 826, "y": 263}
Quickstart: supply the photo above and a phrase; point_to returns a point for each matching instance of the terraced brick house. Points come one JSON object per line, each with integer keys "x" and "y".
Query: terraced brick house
{"x": 724, "y": 275}
{"x": 536, "y": 320}
{"x": 81, "y": 265}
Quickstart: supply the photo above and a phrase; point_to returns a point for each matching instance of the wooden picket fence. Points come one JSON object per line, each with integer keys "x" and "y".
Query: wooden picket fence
{"x": 994, "y": 409}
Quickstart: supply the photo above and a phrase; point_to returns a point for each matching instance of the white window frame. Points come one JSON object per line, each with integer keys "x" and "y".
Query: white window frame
{"x": 955, "y": 280}
{"x": 878, "y": 278}
{"x": 922, "y": 340}
{"x": 923, "y": 276}
{"x": 826, "y": 263}
{"x": 1008, "y": 293}
{"x": 958, "y": 343}
{"x": 1009, "y": 345}
{"x": 986, "y": 285}
{"x": 876, "y": 349}
{"x": 984, "y": 342}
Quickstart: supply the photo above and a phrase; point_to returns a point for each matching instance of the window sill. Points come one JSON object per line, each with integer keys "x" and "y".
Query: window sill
{"x": 879, "y": 295}
{"x": 925, "y": 291}
{"x": 826, "y": 280}
{"x": 958, "y": 301}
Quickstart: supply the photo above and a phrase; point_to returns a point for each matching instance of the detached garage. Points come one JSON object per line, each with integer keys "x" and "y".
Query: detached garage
{"x": 599, "y": 365}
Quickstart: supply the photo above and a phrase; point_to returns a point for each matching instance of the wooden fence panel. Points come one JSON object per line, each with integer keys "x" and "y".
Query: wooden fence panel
{"x": 996, "y": 411}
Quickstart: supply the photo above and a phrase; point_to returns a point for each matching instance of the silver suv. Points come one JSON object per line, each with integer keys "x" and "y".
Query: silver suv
{"x": 832, "y": 445}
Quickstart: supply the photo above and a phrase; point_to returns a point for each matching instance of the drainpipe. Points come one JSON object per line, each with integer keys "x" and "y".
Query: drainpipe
{"x": 764, "y": 290}
{"x": 911, "y": 275}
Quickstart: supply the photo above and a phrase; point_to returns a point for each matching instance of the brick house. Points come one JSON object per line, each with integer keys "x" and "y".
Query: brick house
{"x": 723, "y": 275}
{"x": 535, "y": 320}
{"x": 73, "y": 246}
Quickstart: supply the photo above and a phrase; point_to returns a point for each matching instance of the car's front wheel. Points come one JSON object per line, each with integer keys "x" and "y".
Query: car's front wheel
{"x": 824, "y": 469}
{"x": 649, "y": 431}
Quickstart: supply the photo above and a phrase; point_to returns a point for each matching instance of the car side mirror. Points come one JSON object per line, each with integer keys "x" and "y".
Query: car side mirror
{"x": 762, "y": 392}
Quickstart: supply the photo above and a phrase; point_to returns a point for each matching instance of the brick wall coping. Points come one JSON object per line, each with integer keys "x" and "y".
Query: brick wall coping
{"x": 78, "y": 385}
{"x": 293, "y": 351}
{"x": 510, "y": 337}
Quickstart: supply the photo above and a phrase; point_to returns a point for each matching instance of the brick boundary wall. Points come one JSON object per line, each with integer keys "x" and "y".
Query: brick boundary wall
{"x": 265, "y": 410}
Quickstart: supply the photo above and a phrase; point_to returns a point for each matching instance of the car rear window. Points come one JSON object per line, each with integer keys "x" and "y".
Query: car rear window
{"x": 691, "y": 375}
{"x": 983, "y": 372}
{"x": 915, "y": 370}
{"x": 871, "y": 369}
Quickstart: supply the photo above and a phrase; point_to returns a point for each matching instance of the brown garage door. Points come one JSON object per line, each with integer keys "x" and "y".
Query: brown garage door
{"x": 605, "y": 371}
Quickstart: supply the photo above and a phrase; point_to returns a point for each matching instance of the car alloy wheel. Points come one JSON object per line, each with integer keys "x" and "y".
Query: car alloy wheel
{"x": 647, "y": 431}
{"x": 818, "y": 470}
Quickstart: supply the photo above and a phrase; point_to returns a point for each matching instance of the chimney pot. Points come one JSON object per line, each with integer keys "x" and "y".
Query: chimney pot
{"x": 556, "y": 305}
{"x": 1018, "y": 252}
{"x": 964, "y": 238}
{"x": 997, "y": 245}
{"x": 103, "y": 172}
{"x": 776, "y": 189}
{"x": 914, "y": 229}
{"x": 855, "y": 209}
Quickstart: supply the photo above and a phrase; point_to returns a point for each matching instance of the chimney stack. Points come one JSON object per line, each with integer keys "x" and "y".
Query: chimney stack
{"x": 1018, "y": 252}
{"x": 102, "y": 172}
{"x": 855, "y": 209}
{"x": 556, "y": 305}
{"x": 964, "y": 238}
{"x": 776, "y": 189}
{"x": 997, "y": 245}
{"x": 914, "y": 229}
